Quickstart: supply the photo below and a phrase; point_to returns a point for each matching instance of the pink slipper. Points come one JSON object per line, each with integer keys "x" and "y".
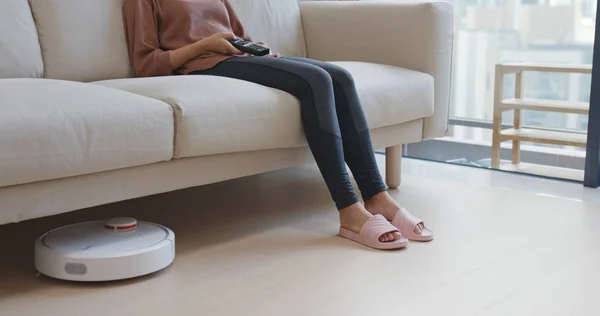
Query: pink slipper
{"x": 406, "y": 223}
{"x": 369, "y": 234}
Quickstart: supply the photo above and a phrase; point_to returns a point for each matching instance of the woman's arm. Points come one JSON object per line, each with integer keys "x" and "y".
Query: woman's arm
{"x": 147, "y": 57}
{"x": 216, "y": 43}
{"x": 141, "y": 32}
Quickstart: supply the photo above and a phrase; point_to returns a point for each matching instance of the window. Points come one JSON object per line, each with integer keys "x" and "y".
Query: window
{"x": 489, "y": 32}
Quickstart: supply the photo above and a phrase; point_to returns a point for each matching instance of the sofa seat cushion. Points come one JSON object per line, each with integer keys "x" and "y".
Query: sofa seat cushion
{"x": 391, "y": 95}
{"x": 221, "y": 115}
{"x": 52, "y": 129}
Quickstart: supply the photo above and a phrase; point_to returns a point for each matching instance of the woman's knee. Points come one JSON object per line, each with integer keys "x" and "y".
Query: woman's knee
{"x": 321, "y": 85}
{"x": 319, "y": 110}
{"x": 318, "y": 77}
{"x": 340, "y": 75}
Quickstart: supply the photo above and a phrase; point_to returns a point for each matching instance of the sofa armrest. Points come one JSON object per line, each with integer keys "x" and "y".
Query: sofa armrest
{"x": 415, "y": 36}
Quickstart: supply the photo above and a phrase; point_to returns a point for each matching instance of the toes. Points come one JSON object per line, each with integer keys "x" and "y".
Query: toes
{"x": 384, "y": 238}
{"x": 388, "y": 237}
{"x": 419, "y": 229}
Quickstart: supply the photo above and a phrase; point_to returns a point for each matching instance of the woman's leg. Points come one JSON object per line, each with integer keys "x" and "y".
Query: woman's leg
{"x": 313, "y": 86}
{"x": 358, "y": 150}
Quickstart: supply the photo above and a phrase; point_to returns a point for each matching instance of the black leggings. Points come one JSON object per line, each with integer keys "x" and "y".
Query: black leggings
{"x": 332, "y": 116}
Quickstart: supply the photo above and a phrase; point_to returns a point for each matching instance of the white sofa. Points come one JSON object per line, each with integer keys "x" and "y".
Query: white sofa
{"x": 76, "y": 130}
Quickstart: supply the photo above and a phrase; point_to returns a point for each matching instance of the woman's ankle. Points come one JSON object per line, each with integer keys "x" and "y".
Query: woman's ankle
{"x": 354, "y": 216}
{"x": 382, "y": 196}
{"x": 382, "y": 203}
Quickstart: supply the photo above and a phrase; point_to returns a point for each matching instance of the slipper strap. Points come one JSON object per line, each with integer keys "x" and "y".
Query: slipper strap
{"x": 405, "y": 221}
{"x": 376, "y": 227}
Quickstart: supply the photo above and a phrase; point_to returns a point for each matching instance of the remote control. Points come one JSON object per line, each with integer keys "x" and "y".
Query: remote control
{"x": 249, "y": 47}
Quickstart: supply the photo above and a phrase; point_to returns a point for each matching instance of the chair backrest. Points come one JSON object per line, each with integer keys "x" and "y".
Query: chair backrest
{"x": 20, "y": 55}
{"x": 83, "y": 40}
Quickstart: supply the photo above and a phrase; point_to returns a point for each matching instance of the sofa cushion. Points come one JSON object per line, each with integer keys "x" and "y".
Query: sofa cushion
{"x": 82, "y": 40}
{"x": 20, "y": 54}
{"x": 391, "y": 95}
{"x": 53, "y": 129}
{"x": 276, "y": 22}
{"x": 222, "y": 115}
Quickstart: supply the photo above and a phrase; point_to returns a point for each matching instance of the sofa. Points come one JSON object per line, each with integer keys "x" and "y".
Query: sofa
{"x": 78, "y": 130}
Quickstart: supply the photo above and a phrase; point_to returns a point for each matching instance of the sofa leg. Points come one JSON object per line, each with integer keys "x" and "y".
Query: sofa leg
{"x": 393, "y": 166}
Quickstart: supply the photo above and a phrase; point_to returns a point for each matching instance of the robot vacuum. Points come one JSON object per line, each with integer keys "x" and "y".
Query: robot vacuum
{"x": 120, "y": 248}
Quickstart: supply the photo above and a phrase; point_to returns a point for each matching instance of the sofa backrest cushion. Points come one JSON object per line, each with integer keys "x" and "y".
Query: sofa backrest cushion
{"x": 275, "y": 22}
{"x": 84, "y": 40}
{"x": 20, "y": 55}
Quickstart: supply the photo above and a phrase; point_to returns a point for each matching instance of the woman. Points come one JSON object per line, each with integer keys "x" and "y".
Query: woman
{"x": 190, "y": 37}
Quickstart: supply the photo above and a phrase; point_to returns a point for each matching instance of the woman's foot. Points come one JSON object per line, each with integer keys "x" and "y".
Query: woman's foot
{"x": 384, "y": 204}
{"x": 355, "y": 216}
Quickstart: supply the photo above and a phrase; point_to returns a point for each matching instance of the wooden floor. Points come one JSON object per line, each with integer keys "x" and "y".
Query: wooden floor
{"x": 267, "y": 245}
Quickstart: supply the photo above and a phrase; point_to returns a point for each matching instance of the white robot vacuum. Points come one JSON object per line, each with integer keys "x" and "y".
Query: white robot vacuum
{"x": 120, "y": 248}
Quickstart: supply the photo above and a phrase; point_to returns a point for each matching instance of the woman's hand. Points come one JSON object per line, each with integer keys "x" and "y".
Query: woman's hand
{"x": 276, "y": 55}
{"x": 218, "y": 43}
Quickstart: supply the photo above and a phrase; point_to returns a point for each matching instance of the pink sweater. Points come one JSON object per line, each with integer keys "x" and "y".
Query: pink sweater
{"x": 154, "y": 27}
